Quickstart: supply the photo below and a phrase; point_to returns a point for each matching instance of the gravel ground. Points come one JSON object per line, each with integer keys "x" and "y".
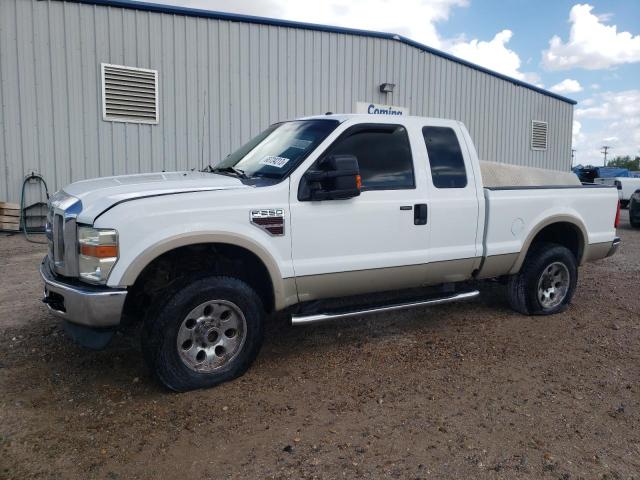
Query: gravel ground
{"x": 455, "y": 391}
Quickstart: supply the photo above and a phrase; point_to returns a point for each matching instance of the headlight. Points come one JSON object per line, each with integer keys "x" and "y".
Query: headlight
{"x": 98, "y": 249}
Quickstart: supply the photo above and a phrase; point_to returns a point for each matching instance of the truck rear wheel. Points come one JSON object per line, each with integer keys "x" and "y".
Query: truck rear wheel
{"x": 207, "y": 331}
{"x": 546, "y": 282}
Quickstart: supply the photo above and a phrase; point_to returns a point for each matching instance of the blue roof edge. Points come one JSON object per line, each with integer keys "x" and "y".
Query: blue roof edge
{"x": 237, "y": 17}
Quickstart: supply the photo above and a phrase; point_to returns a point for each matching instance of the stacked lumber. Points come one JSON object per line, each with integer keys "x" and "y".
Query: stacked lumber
{"x": 9, "y": 216}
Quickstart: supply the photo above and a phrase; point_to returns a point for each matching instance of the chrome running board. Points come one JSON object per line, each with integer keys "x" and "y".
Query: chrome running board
{"x": 302, "y": 319}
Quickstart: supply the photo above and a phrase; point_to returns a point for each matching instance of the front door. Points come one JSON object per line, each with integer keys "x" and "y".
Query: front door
{"x": 376, "y": 241}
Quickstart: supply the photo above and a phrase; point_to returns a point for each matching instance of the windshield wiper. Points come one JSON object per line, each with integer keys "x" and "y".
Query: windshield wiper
{"x": 234, "y": 171}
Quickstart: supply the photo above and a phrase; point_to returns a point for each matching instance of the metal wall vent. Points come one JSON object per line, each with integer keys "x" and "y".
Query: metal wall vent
{"x": 129, "y": 94}
{"x": 538, "y": 135}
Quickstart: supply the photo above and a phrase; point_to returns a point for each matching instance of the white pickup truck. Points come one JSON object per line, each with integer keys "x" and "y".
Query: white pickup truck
{"x": 626, "y": 187}
{"x": 310, "y": 211}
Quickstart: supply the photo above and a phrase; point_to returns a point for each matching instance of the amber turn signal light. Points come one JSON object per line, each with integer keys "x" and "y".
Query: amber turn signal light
{"x": 99, "y": 251}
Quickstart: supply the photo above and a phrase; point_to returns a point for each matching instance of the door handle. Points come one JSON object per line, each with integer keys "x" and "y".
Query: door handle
{"x": 420, "y": 213}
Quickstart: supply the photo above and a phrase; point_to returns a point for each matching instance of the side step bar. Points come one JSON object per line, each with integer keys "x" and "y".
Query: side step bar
{"x": 302, "y": 319}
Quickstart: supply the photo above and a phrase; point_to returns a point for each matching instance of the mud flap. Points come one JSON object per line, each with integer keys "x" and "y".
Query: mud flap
{"x": 91, "y": 338}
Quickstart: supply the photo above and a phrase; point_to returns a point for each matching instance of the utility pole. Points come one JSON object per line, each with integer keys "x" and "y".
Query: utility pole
{"x": 605, "y": 149}
{"x": 573, "y": 155}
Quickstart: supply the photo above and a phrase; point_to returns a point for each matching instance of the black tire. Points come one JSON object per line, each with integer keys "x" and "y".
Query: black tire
{"x": 162, "y": 324}
{"x": 624, "y": 203}
{"x": 522, "y": 288}
{"x": 634, "y": 210}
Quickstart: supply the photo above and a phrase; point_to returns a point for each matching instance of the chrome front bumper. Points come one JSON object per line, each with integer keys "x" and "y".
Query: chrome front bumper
{"x": 87, "y": 305}
{"x": 614, "y": 246}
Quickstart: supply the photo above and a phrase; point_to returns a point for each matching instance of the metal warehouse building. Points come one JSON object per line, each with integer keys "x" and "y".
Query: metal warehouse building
{"x": 104, "y": 87}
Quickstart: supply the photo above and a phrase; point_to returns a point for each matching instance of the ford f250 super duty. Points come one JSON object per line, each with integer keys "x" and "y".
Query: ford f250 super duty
{"x": 311, "y": 216}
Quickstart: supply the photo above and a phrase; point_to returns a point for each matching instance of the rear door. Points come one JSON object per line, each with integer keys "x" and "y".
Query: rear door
{"x": 372, "y": 242}
{"x": 454, "y": 208}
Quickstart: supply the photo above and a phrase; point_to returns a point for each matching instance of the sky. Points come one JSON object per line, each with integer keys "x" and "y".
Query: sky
{"x": 589, "y": 52}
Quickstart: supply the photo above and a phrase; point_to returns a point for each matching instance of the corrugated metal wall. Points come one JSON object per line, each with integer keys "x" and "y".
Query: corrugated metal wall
{"x": 220, "y": 83}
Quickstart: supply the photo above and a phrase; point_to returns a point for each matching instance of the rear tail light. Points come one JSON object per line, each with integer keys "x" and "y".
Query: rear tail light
{"x": 617, "y": 221}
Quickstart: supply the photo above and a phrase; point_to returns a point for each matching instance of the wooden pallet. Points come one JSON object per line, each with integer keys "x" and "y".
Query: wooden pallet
{"x": 9, "y": 216}
{"x": 10, "y": 206}
{"x": 10, "y": 226}
{"x": 9, "y": 212}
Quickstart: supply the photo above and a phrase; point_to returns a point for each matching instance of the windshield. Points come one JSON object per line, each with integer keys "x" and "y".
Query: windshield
{"x": 279, "y": 149}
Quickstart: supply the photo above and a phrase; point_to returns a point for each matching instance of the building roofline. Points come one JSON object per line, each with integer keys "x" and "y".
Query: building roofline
{"x": 236, "y": 17}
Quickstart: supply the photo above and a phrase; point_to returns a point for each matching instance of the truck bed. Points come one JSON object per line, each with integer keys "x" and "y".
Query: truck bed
{"x": 514, "y": 214}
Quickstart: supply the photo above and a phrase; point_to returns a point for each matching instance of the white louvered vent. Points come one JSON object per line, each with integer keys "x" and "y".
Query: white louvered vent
{"x": 129, "y": 94}
{"x": 538, "y": 135}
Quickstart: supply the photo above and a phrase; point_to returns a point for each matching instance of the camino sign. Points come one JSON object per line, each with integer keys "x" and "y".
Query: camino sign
{"x": 379, "y": 109}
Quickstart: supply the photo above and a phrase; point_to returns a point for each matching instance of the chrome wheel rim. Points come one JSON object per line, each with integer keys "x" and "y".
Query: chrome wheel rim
{"x": 553, "y": 285}
{"x": 211, "y": 335}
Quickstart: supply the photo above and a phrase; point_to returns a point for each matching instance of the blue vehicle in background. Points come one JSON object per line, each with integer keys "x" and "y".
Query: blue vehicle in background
{"x": 588, "y": 174}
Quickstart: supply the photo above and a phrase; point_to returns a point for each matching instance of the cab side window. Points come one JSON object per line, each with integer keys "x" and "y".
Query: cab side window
{"x": 445, "y": 157}
{"x": 383, "y": 153}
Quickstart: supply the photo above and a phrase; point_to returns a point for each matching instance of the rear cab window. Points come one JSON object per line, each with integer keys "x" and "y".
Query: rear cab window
{"x": 445, "y": 157}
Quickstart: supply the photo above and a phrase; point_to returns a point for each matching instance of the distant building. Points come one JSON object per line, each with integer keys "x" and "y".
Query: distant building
{"x": 105, "y": 87}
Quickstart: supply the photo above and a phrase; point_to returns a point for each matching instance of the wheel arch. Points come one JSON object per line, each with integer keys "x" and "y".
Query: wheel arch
{"x": 282, "y": 291}
{"x": 565, "y": 230}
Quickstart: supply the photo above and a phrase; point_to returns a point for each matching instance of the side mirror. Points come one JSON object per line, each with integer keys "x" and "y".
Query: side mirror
{"x": 336, "y": 177}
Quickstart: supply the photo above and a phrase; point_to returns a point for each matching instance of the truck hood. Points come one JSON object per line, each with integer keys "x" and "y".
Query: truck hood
{"x": 98, "y": 194}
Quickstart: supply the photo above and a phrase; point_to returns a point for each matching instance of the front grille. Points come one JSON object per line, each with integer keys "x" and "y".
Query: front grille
{"x": 61, "y": 233}
{"x": 58, "y": 239}
{"x": 48, "y": 230}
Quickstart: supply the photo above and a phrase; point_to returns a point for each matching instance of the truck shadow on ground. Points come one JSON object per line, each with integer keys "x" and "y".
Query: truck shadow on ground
{"x": 74, "y": 368}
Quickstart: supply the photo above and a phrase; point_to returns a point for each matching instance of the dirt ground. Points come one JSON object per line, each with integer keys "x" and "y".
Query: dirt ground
{"x": 457, "y": 391}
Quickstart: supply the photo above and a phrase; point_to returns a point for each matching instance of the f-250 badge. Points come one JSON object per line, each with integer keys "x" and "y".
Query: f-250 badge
{"x": 271, "y": 220}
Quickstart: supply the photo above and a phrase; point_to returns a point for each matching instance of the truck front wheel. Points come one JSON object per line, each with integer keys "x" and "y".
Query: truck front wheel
{"x": 205, "y": 332}
{"x": 546, "y": 282}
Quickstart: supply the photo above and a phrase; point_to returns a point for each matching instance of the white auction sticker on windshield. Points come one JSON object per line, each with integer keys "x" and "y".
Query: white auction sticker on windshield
{"x": 272, "y": 161}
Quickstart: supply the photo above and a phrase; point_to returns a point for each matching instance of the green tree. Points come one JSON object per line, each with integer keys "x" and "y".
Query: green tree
{"x": 625, "y": 162}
